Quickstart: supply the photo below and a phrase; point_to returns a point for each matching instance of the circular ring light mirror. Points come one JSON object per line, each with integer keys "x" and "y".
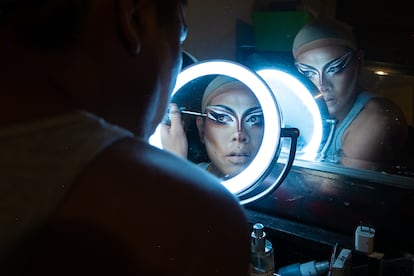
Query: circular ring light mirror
{"x": 299, "y": 109}
{"x": 269, "y": 148}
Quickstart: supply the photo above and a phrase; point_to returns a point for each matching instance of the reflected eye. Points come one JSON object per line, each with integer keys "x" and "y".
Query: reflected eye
{"x": 333, "y": 70}
{"x": 305, "y": 70}
{"x": 309, "y": 74}
{"x": 339, "y": 64}
{"x": 220, "y": 117}
{"x": 254, "y": 119}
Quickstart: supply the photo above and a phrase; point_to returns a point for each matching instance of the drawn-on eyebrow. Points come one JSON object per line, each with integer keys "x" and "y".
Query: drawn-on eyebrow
{"x": 230, "y": 110}
{"x": 253, "y": 109}
{"x": 339, "y": 59}
{"x": 220, "y": 106}
{"x": 328, "y": 64}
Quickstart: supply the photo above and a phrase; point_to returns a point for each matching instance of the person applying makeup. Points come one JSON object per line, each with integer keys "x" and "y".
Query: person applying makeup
{"x": 84, "y": 83}
{"x": 371, "y": 130}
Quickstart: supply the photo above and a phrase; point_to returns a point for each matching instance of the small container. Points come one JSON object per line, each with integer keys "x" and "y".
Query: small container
{"x": 262, "y": 255}
{"x": 364, "y": 239}
{"x": 311, "y": 268}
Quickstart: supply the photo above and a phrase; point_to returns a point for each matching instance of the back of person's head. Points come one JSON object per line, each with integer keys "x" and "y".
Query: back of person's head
{"x": 323, "y": 32}
{"x": 85, "y": 51}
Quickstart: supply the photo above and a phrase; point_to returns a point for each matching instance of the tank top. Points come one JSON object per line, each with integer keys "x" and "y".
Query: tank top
{"x": 39, "y": 161}
{"x": 334, "y": 151}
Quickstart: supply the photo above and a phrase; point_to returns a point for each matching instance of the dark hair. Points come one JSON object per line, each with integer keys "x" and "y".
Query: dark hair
{"x": 165, "y": 7}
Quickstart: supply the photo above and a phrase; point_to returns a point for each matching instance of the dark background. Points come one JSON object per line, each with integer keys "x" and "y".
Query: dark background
{"x": 384, "y": 29}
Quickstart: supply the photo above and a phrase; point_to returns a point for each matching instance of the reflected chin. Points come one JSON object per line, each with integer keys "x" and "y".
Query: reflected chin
{"x": 330, "y": 104}
{"x": 237, "y": 167}
{"x": 241, "y": 160}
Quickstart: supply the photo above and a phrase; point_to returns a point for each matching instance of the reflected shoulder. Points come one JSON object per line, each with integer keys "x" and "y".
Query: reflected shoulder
{"x": 376, "y": 136}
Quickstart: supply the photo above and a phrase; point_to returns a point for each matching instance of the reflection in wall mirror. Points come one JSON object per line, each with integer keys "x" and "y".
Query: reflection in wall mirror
{"x": 293, "y": 96}
{"x": 395, "y": 86}
{"x": 249, "y": 38}
{"x": 255, "y": 109}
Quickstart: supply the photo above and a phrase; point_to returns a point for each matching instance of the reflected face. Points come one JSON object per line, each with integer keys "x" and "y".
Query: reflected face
{"x": 334, "y": 70}
{"x": 232, "y": 130}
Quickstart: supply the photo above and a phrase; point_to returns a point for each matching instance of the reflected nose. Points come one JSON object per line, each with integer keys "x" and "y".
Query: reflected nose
{"x": 241, "y": 137}
{"x": 323, "y": 84}
{"x": 324, "y": 88}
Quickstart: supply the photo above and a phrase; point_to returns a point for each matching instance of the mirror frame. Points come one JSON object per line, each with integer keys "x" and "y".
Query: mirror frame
{"x": 270, "y": 146}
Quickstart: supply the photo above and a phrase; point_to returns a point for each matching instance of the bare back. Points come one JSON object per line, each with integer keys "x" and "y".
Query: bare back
{"x": 174, "y": 232}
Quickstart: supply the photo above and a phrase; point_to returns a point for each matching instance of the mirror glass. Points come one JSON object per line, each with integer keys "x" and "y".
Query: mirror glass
{"x": 293, "y": 96}
{"x": 235, "y": 35}
{"x": 223, "y": 122}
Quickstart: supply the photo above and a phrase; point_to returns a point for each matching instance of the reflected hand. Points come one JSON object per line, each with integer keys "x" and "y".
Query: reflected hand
{"x": 173, "y": 136}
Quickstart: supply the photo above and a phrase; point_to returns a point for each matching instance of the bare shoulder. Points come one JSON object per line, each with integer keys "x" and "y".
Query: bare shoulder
{"x": 380, "y": 114}
{"x": 377, "y": 134}
{"x": 385, "y": 108}
{"x": 385, "y": 117}
{"x": 141, "y": 209}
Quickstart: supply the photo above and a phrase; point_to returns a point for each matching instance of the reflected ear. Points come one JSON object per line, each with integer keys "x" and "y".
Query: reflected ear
{"x": 200, "y": 127}
{"x": 128, "y": 21}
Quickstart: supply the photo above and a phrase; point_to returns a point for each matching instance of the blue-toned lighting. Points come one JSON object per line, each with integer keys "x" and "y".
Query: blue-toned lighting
{"x": 272, "y": 121}
{"x": 299, "y": 110}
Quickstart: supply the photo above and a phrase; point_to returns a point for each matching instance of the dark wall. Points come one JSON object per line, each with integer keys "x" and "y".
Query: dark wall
{"x": 384, "y": 29}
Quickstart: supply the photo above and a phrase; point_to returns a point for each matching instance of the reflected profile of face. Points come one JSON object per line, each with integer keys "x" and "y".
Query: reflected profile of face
{"x": 334, "y": 70}
{"x": 325, "y": 51}
{"x": 232, "y": 128}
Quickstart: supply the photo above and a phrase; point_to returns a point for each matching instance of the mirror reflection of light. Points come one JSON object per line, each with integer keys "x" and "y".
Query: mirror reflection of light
{"x": 298, "y": 108}
{"x": 270, "y": 144}
{"x": 381, "y": 73}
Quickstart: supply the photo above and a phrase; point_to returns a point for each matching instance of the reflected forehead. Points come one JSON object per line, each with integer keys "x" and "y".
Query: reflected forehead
{"x": 237, "y": 97}
{"x": 319, "y": 57}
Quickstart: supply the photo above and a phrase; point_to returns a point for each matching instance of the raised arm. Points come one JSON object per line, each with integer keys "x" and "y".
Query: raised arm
{"x": 173, "y": 137}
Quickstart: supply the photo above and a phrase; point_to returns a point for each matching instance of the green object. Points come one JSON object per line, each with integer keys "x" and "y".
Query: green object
{"x": 275, "y": 31}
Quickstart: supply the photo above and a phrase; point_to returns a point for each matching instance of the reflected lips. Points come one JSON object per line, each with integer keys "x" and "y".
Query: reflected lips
{"x": 239, "y": 158}
{"x": 329, "y": 100}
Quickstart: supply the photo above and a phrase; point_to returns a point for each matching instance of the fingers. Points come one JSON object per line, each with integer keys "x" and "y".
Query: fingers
{"x": 175, "y": 115}
{"x": 173, "y": 136}
{"x": 172, "y": 113}
{"x": 172, "y": 122}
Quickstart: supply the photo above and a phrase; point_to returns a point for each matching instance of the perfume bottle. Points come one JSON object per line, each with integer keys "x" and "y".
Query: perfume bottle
{"x": 262, "y": 255}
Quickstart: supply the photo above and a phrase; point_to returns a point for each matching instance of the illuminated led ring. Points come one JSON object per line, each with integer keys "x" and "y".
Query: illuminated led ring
{"x": 272, "y": 122}
{"x": 309, "y": 152}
